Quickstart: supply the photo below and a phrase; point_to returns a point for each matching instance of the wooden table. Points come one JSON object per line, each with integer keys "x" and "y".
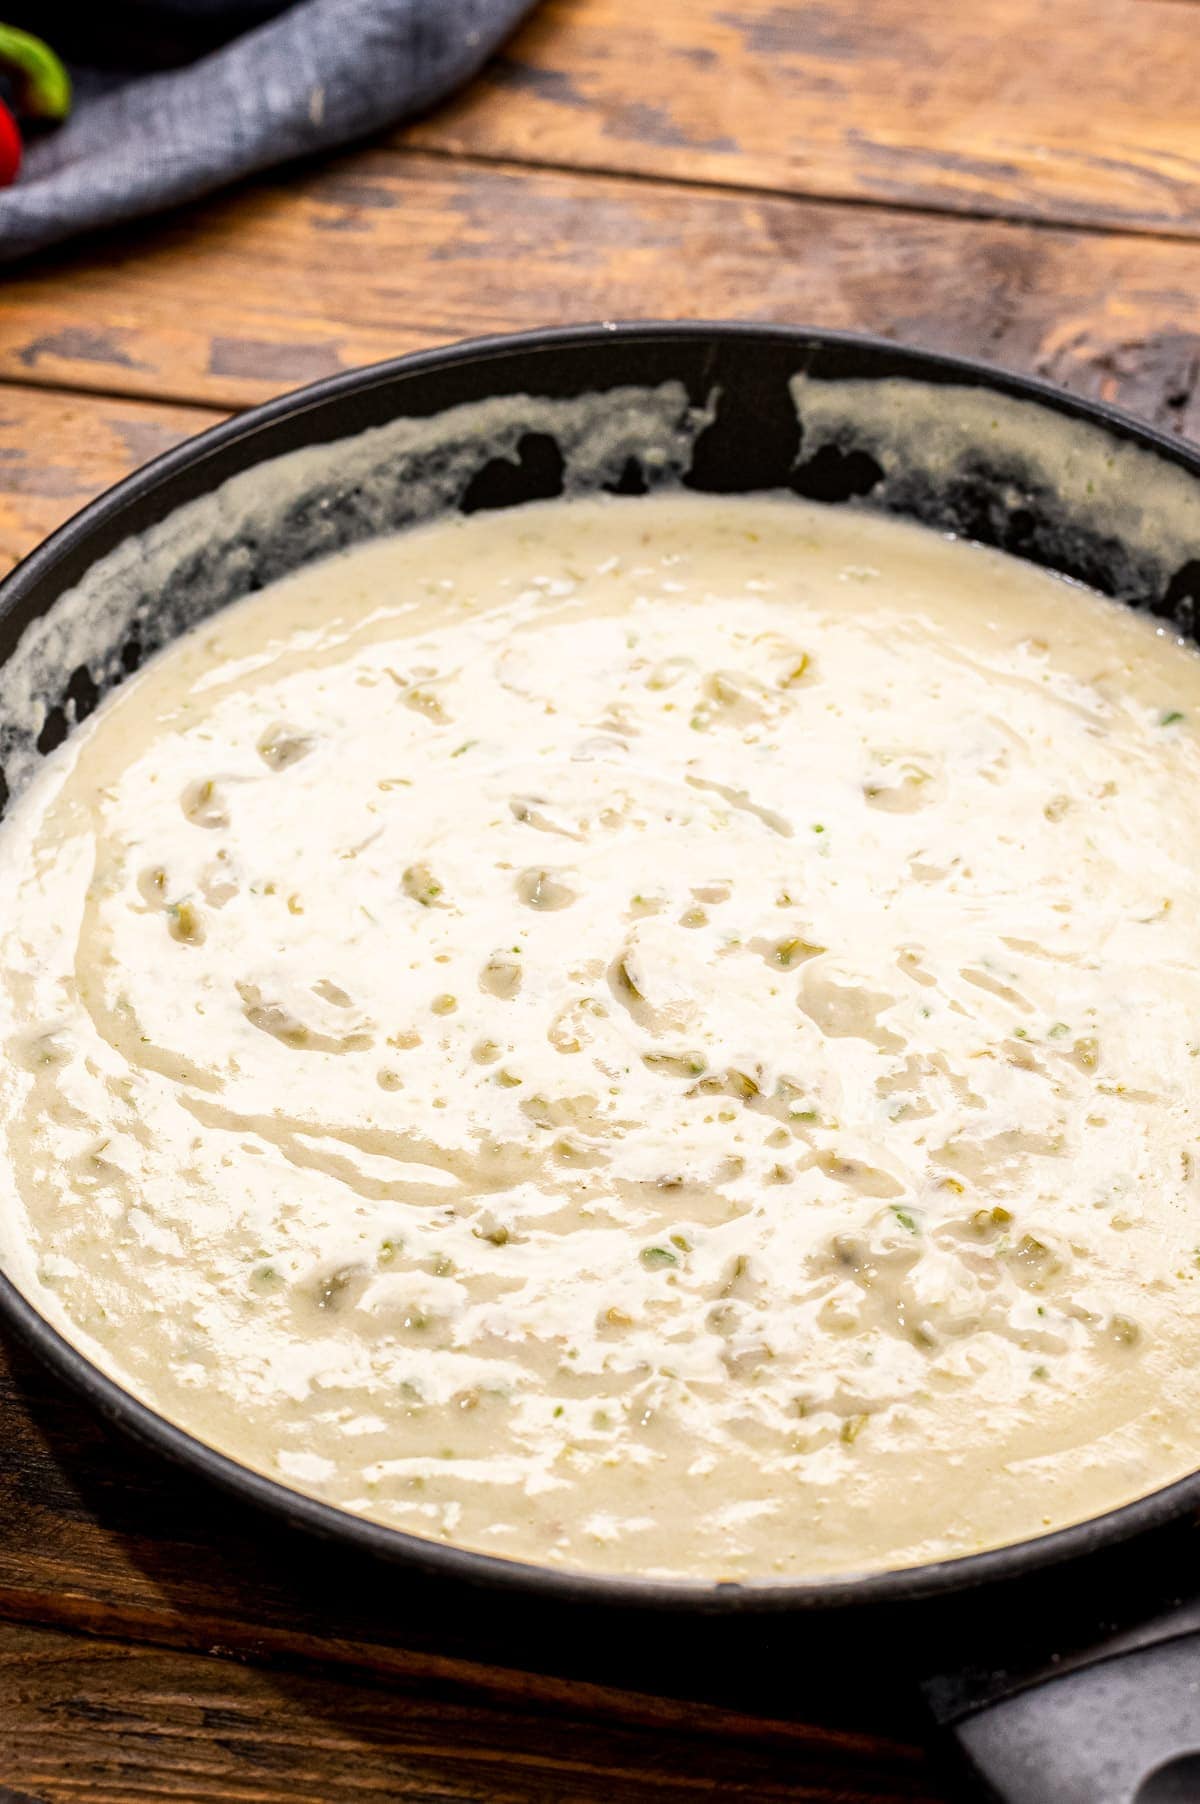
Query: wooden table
{"x": 1018, "y": 179}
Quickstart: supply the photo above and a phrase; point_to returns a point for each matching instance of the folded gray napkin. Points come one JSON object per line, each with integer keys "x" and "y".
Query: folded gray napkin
{"x": 254, "y": 83}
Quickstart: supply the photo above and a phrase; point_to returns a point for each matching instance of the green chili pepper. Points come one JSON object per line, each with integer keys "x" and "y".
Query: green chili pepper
{"x": 41, "y": 86}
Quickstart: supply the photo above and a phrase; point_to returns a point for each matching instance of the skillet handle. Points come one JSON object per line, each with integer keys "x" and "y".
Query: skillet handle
{"x": 1124, "y": 1730}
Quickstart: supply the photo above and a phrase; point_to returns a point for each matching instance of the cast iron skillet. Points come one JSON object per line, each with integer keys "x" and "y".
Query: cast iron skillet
{"x": 1075, "y": 1666}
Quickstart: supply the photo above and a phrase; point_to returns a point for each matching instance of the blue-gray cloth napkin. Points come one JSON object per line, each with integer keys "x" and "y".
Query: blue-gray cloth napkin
{"x": 175, "y": 98}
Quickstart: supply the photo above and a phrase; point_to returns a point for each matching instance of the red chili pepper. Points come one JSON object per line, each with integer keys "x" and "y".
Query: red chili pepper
{"x": 10, "y": 147}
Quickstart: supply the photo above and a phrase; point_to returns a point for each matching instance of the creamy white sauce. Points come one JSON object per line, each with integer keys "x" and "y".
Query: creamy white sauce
{"x": 654, "y": 1035}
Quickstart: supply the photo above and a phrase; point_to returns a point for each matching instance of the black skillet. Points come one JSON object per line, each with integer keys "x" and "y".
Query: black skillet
{"x": 1065, "y": 1669}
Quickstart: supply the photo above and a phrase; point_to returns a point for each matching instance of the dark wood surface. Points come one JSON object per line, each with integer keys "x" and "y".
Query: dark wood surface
{"x": 1010, "y": 179}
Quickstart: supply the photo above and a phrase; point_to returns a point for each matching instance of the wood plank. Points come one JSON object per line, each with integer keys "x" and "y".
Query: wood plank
{"x": 58, "y": 451}
{"x": 1084, "y": 111}
{"x": 381, "y": 252}
{"x": 96, "y": 1719}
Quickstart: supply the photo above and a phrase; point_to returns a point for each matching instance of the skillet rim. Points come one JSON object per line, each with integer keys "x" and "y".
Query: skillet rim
{"x": 964, "y": 1572}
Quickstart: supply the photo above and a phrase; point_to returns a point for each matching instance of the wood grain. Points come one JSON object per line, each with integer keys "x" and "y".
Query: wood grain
{"x": 1083, "y": 111}
{"x": 111, "y": 1722}
{"x": 381, "y": 252}
{"x": 58, "y": 451}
